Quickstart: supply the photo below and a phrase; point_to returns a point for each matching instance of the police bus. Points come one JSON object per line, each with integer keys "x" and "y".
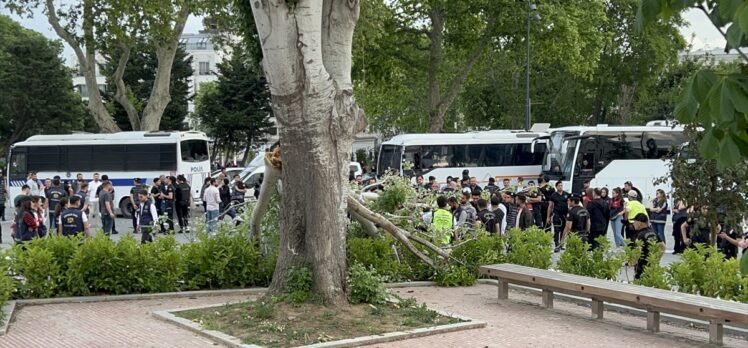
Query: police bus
{"x": 497, "y": 153}
{"x": 122, "y": 156}
{"x": 609, "y": 156}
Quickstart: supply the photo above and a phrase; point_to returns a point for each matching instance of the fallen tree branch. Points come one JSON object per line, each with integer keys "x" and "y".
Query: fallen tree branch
{"x": 269, "y": 181}
{"x": 367, "y": 225}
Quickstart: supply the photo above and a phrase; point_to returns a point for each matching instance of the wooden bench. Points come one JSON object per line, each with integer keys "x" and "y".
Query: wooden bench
{"x": 654, "y": 301}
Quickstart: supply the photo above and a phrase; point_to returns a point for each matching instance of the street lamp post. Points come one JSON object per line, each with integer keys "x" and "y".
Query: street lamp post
{"x": 531, "y": 8}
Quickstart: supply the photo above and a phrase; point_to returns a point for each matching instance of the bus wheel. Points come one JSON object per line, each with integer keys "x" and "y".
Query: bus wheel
{"x": 124, "y": 208}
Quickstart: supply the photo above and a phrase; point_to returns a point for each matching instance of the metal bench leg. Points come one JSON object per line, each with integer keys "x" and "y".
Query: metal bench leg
{"x": 597, "y": 309}
{"x": 653, "y": 321}
{"x": 547, "y": 298}
{"x": 503, "y": 289}
{"x": 715, "y": 332}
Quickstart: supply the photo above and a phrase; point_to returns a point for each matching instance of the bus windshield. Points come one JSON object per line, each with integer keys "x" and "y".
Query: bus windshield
{"x": 194, "y": 150}
{"x": 389, "y": 158}
{"x": 559, "y": 158}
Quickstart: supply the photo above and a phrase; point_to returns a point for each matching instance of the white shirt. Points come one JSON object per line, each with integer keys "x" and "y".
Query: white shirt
{"x": 92, "y": 188}
{"x": 34, "y": 187}
{"x": 502, "y": 207}
{"x": 211, "y": 198}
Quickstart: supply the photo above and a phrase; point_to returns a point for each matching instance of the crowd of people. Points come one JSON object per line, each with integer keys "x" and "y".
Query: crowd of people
{"x": 463, "y": 204}
{"x": 71, "y": 207}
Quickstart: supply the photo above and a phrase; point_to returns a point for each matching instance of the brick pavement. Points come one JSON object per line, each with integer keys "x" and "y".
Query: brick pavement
{"x": 519, "y": 322}
{"x": 105, "y": 324}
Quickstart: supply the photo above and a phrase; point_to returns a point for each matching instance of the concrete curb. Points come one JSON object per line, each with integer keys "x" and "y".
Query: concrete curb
{"x": 135, "y": 297}
{"x": 673, "y": 319}
{"x": 8, "y": 310}
{"x": 234, "y": 342}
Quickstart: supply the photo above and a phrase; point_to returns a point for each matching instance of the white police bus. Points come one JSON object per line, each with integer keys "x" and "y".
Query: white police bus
{"x": 122, "y": 156}
{"x": 495, "y": 154}
{"x": 609, "y": 156}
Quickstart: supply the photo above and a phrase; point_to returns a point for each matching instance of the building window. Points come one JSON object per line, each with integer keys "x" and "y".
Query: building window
{"x": 204, "y": 68}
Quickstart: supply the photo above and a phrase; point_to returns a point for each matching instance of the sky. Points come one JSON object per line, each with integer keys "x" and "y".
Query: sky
{"x": 699, "y": 31}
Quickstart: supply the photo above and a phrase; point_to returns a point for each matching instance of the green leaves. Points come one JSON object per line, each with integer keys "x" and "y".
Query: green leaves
{"x": 648, "y": 12}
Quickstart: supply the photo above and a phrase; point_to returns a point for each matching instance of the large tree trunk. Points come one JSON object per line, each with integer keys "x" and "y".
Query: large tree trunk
{"x": 307, "y": 61}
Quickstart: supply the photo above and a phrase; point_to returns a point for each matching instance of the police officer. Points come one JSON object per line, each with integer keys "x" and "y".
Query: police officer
{"x": 134, "y": 201}
{"x": 183, "y": 200}
{"x": 167, "y": 195}
{"x": 146, "y": 215}
{"x": 646, "y": 235}
{"x": 577, "y": 221}
{"x": 54, "y": 194}
{"x": 72, "y": 220}
{"x": 443, "y": 222}
{"x": 558, "y": 209}
{"x": 546, "y": 191}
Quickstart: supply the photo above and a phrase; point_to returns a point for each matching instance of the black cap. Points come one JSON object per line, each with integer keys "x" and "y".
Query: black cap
{"x": 56, "y": 177}
{"x": 136, "y": 180}
{"x": 641, "y": 217}
{"x": 465, "y": 172}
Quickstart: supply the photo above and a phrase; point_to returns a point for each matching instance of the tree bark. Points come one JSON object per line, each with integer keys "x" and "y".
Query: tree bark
{"x": 439, "y": 104}
{"x": 307, "y": 58}
{"x": 160, "y": 92}
{"x": 87, "y": 62}
{"x": 121, "y": 94}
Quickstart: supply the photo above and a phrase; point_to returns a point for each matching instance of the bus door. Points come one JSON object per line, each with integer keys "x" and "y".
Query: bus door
{"x": 17, "y": 168}
{"x": 583, "y": 166}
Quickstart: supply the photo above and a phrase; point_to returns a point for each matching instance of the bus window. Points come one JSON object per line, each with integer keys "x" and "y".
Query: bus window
{"x": 659, "y": 145}
{"x": 389, "y": 158}
{"x": 194, "y": 150}
{"x": 43, "y": 158}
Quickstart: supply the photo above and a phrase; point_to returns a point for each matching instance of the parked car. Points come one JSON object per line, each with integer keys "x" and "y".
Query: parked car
{"x": 355, "y": 170}
{"x": 231, "y": 171}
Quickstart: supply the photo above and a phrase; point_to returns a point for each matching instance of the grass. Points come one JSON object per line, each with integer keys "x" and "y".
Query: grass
{"x": 272, "y": 323}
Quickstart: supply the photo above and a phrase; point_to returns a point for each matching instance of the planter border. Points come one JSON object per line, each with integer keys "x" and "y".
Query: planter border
{"x": 234, "y": 342}
{"x": 8, "y": 310}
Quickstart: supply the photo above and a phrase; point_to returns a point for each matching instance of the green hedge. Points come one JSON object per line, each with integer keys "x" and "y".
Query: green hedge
{"x": 61, "y": 266}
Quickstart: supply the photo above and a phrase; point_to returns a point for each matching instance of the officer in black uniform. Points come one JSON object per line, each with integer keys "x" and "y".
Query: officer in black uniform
{"x": 646, "y": 235}
{"x": 54, "y": 195}
{"x": 72, "y": 220}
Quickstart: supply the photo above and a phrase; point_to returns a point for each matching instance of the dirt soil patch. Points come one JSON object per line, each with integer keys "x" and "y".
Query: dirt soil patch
{"x": 281, "y": 324}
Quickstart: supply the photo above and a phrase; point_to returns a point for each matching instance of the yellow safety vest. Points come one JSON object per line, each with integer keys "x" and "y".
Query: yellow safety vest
{"x": 443, "y": 223}
{"x": 635, "y": 208}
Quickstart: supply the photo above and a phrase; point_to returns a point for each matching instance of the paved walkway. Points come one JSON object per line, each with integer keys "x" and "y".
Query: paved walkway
{"x": 519, "y": 322}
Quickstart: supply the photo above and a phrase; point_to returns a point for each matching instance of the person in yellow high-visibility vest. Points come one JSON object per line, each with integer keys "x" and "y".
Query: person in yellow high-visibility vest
{"x": 443, "y": 222}
{"x": 632, "y": 208}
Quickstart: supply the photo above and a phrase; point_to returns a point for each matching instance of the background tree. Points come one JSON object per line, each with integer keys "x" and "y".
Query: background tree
{"x": 90, "y": 26}
{"x": 714, "y": 100}
{"x": 235, "y": 111}
{"x": 138, "y": 78}
{"x": 37, "y": 97}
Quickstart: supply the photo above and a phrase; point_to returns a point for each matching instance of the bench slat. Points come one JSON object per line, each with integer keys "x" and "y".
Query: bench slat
{"x": 639, "y": 296}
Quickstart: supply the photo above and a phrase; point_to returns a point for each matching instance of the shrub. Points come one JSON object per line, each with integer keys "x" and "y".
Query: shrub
{"x": 379, "y": 254}
{"x": 599, "y": 263}
{"x": 484, "y": 250}
{"x": 298, "y": 284}
{"x": 38, "y": 269}
{"x": 704, "y": 271}
{"x": 365, "y": 285}
{"x": 455, "y": 276}
{"x": 221, "y": 261}
{"x": 93, "y": 267}
{"x": 654, "y": 275}
{"x": 164, "y": 266}
{"x": 531, "y": 247}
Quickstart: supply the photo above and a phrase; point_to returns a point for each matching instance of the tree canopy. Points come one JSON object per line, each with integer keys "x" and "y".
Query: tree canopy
{"x": 235, "y": 110}
{"x": 36, "y": 95}
{"x": 716, "y": 101}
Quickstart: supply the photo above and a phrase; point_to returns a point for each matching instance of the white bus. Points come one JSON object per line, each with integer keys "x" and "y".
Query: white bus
{"x": 495, "y": 154}
{"x": 121, "y": 156}
{"x": 609, "y": 156}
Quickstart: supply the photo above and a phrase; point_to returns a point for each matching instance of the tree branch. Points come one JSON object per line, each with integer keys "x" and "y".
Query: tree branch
{"x": 456, "y": 86}
{"x": 706, "y": 12}
{"x": 121, "y": 94}
{"x": 338, "y": 22}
